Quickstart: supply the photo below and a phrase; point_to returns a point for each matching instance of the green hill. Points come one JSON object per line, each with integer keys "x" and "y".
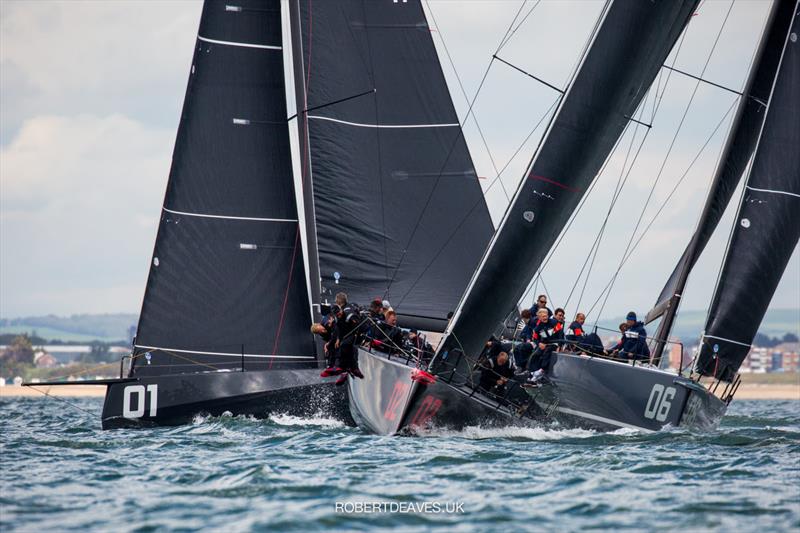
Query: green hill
{"x": 76, "y": 328}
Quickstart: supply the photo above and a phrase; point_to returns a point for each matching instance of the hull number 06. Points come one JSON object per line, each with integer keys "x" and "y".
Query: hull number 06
{"x": 659, "y": 403}
{"x": 134, "y": 400}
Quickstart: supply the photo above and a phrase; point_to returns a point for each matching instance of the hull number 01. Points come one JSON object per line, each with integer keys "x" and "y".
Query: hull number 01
{"x": 659, "y": 403}
{"x": 134, "y": 400}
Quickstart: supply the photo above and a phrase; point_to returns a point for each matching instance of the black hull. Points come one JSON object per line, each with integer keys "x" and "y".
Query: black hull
{"x": 389, "y": 401}
{"x": 607, "y": 395}
{"x": 179, "y": 398}
{"x": 591, "y": 393}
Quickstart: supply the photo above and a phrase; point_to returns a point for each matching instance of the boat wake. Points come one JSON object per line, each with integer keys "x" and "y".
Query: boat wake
{"x": 317, "y": 420}
{"x": 533, "y": 433}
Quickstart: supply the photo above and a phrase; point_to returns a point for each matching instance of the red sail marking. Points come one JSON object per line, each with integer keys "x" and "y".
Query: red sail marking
{"x": 398, "y": 393}
{"x": 427, "y": 409}
{"x": 554, "y": 182}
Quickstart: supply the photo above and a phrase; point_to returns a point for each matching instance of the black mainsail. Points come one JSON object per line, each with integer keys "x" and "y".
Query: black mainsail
{"x": 629, "y": 47}
{"x": 227, "y": 286}
{"x": 767, "y": 226}
{"x": 734, "y": 159}
{"x": 390, "y": 170}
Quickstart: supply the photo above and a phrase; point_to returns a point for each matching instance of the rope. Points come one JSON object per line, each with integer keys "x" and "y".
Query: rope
{"x": 64, "y": 401}
{"x": 479, "y": 202}
{"x": 661, "y": 208}
{"x": 444, "y": 164}
{"x": 466, "y": 98}
{"x": 669, "y": 151}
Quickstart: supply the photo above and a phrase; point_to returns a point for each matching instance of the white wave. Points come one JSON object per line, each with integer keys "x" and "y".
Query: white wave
{"x": 511, "y": 432}
{"x": 318, "y": 420}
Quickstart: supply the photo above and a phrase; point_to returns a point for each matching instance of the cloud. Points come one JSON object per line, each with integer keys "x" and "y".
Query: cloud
{"x": 90, "y": 99}
{"x": 79, "y": 207}
{"x": 70, "y": 57}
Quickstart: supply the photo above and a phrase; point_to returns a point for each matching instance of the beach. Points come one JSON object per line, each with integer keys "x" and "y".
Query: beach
{"x": 747, "y": 391}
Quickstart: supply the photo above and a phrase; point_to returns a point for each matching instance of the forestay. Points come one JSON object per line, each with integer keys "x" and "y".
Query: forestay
{"x": 738, "y": 150}
{"x": 629, "y": 47}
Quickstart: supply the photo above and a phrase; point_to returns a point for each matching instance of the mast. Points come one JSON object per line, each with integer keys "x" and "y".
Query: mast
{"x": 301, "y": 73}
{"x": 399, "y": 213}
{"x": 627, "y": 51}
{"x": 226, "y": 288}
{"x": 766, "y": 228}
{"x": 735, "y": 156}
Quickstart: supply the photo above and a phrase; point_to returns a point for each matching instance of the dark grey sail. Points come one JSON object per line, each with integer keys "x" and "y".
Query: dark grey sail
{"x": 227, "y": 287}
{"x": 767, "y": 226}
{"x": 629, "y": 47}
{"x": 735, "y": 156}
{"x": 391, "y": 174}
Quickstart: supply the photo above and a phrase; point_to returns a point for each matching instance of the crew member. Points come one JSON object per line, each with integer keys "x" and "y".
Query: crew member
{"x": 635, "y": 346}
{"x": 345, "y": 333}
{"x": 548, "y": 334}
{"x": 576, "y": 328}
{"x": 495, "y": 373}
{"x": 540, "y": 303}
{"x": 614, "y": 350}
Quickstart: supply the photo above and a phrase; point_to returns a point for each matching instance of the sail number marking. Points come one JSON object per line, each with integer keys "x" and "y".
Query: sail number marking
{"x": 659, "y": 403}
{"x": 141, "y": 400}
{"x": 398, "y": 393}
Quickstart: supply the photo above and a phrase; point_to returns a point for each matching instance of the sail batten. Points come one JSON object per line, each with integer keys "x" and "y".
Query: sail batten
{"x": 227, "y": 273}
{"x": 766, "y": 228}
{"x": 630, "y": 45}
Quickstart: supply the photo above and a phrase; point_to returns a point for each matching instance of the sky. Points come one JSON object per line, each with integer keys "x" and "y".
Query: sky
{"x": 90, "y": 101}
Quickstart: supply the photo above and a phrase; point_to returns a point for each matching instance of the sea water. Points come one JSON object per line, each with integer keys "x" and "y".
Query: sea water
{"x": 61, "y": 472}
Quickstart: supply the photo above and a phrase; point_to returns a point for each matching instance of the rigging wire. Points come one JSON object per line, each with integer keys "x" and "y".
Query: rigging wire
{"x": 466, "y": 98}
{"x": 656, "y": 105}
{"x": 507, "y": 39}
{"x": 446, "y": 159}
{"x": 669, "y": 151}
{"x": 468, "y": 213}
{"x": 615, "y": 195}
{"x": 629, "y": 254}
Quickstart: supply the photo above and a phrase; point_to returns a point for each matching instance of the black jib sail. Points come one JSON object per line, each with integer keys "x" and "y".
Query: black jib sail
{"x": 392, "y": 177}
{"x": 736, "y": 154}
{"x": 227, "y": 286}
{"x": 767, "y": 226}
{"x": 629, "y": 47}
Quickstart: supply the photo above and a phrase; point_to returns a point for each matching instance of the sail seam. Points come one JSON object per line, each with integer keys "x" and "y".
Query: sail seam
{"x": 229, "y": 217}
{"x": 774, "y": 191}
{"x": 385, "y": 125}
{"x": 263, "y": 356}
{"x": 243, "y": 45}
{"x": 726, "y": 340}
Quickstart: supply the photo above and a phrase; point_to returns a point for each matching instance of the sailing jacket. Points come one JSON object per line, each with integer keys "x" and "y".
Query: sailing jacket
{"x": 576, "y": 328}
{"x": 548, "y": 332}
{"x": 491, "y": 372}
{"x": 634, "y": 342}
{"x": 527, "y": 331}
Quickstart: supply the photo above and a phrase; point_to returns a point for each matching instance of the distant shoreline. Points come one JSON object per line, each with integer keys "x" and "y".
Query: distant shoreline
{"x": 747, "y": 391}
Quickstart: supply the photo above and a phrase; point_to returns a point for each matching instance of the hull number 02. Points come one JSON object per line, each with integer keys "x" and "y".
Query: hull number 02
{"x": 659, "y": 403}
{"x": 134, "y": 401}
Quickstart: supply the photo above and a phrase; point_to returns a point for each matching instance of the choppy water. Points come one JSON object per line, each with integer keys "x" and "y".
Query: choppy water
{"x": 61, "y": 472}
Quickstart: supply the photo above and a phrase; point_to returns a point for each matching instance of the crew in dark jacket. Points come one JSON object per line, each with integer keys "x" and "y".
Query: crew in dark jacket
{"x": 540, "y": 303}
{"x": 344, "y": 336}
{"x": 634, "y": 345}
{"x": 495, "y": 373}
{"x": 548, "y": 334}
